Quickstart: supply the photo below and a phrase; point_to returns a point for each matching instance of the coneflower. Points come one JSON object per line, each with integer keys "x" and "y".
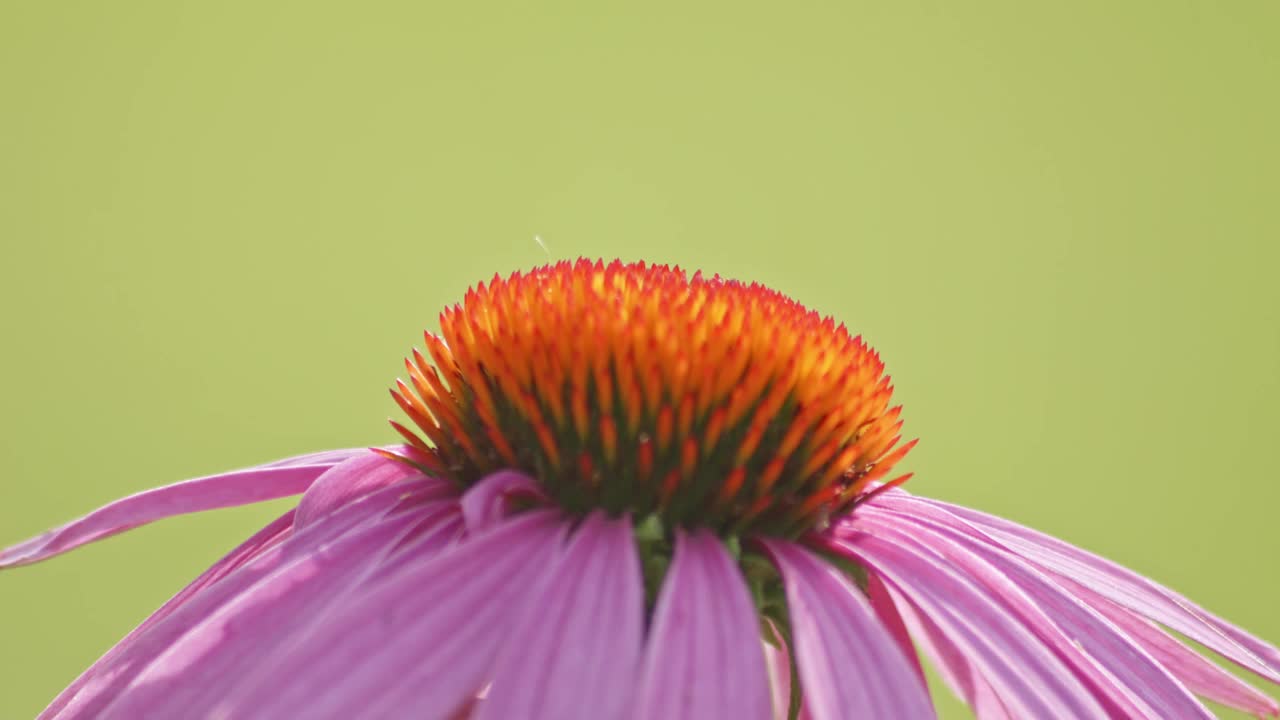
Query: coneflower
{"x": 626, "y": 492}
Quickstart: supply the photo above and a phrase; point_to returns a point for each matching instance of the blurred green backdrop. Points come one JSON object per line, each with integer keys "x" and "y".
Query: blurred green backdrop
{"x": 223, "y": 224}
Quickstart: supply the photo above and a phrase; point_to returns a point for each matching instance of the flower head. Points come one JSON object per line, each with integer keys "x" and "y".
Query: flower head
{"x": 636, "y": 388}
{"x": 632, "y": 493}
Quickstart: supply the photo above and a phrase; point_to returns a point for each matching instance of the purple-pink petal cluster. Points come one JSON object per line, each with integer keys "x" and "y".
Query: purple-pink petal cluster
{"x": 387, "y": 593}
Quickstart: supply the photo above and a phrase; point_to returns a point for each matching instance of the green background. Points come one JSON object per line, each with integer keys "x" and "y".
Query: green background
{"x": 223, "y": 225}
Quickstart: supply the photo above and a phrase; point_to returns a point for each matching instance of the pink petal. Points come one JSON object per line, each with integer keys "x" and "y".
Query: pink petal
{"x": 1190, "y": 667}
{"x": 488, "y": 501}
{"x": 353, "y": 478}
{"x": 269, "y": 536}
{"x": 194, "y": 673}
{"x": 274, "y": 533}
{"x": 883, "y": 605}
{"x": 324, "y": 457}
{"x": 1030, "y": 679}
{"x": 1125, "y": 588}
{"x": 1119, "y": 669}
{"x": 576, "y": 652}
{"x": 957, "y": 672}
{"x": 207, "y": 493}
{"x": 848, "y": 661}
{"x": 102, "y": 682}
{"x": 418, "y": 643}
{"x": 704, "y": 658}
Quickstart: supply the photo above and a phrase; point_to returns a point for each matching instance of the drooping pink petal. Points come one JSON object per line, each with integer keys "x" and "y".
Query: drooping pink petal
{"x": 883, "y": 605}
{"x": 1125, "y": 588}
{"x": 488, "y": 501}
{"x": 274, "y": 533}
{"x": 704, "y": 657}
{"x": 1197, "y": 672}
{"x": 353, "y": 478}
{"x": 324, "y": 457}
{"x": 965, "y": 681}
{"x": 1029, "y": 678}
{"x": 101, "y": 682}
{"x": 194, "y": 673}
{"x": 241, "y": 487}
{"x": 846, "y": 658}
{"x": 575, "y": 653}
{"x": 417, "y": 643}
{"x": 956, "y": 671}
{"x": 1119, "y": 670}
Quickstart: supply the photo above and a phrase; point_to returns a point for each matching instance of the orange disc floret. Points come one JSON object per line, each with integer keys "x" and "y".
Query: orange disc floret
{"x": 635, "y": 387}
